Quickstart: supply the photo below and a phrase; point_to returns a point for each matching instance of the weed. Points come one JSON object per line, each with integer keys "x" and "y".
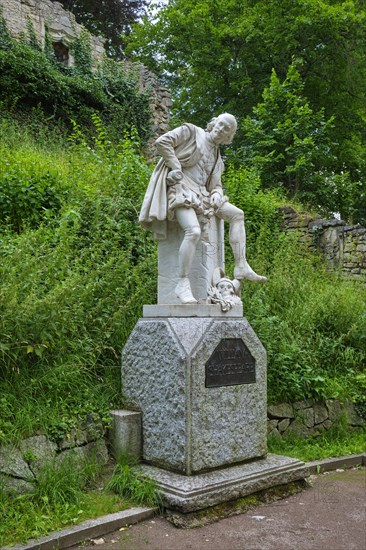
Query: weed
{"x": 128, "y": 482}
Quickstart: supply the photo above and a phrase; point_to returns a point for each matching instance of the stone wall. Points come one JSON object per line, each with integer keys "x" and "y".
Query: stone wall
{"x": 343, "y": 246}
{"x": 64, "y": 29}
{"x": 61, "y": 24}
{"x": 20, "y": 465}
{"x": 308, "y": 417}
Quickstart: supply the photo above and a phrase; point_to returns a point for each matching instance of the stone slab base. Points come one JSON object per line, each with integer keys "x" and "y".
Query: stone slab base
{"x": 191, "y": 310}
{"x": 191, "y": 493}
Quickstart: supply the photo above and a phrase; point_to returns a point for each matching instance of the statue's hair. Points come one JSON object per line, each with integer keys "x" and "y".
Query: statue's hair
{"x": 213, "y": 121}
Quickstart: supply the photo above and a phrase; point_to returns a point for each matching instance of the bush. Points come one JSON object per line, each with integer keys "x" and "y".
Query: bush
{"x": 312, "y": 323}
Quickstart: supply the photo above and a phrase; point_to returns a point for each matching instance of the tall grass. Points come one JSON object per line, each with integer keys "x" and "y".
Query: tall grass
{"x": 73, "y": 279}
{"x": 66, "y": 493}
{"x": 312, "y": 322}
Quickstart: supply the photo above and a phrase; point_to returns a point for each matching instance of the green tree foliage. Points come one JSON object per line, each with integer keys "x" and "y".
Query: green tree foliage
{"x": 109, "y": 18}
{"x": 220, "y": 55}
{"x": 291, "y": 146}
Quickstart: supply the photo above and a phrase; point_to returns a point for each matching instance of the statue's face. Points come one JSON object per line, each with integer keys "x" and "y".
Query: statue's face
{"x": 223, "y": 129}
{"x": 225, "y": 288}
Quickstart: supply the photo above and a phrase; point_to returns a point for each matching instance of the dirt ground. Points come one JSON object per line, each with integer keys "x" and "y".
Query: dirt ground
{"x": 331, "y": 515}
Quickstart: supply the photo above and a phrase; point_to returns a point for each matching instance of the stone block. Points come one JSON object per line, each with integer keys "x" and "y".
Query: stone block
{"x": 271, "y": 425}
{"x": 304, "y": 404}
{"x": 191, "y": 420}
{"x": 283, "y": 410}
{"x": 191, "y": 493}
{"x": 38, "y": 451}
{"x": 320, "y": 413}
{"x": 351, "y": 415}
{"x": 283, "y": 425}
{"x": 13, "y": 464}
{"x": 92, "y": 452}
{"x": 191, "y": 310}
{"x": 207, "y": 258}
{"x": 125, "y": 433}
{"x": 75, "y": 438}
{"x": 298, "y": 428}
{"x": 274, "y": 433}
{"x": 334, "y": 409}
{"x": 308, "y": 417}
{"x": 15, "y": 486}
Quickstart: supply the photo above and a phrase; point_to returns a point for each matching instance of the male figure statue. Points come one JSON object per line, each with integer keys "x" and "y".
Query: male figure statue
{"x": 186, "y": 186}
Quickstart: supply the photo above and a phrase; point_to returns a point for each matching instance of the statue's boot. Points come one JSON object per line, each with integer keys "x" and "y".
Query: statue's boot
{"x": 244, "y": 271}
{"x": 183, "y": 291}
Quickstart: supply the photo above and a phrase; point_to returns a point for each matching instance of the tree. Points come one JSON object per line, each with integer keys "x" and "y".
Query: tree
{"x": 109, "y": 18}
{"x": 218, "y": 56}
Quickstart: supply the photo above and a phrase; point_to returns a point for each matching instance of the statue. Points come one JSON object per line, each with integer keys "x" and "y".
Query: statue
{"x": 186, "y": 186}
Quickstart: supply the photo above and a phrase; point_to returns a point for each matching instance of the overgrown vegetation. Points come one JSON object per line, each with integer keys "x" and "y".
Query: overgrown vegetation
{"x": 312, "y": 322}
{"x": 66, "y": 493}
{"x": 32, "y": 78}
{"x": 128, "y": 482}
{"x": 338, "y": 441}
{"x": 73, "y": 277}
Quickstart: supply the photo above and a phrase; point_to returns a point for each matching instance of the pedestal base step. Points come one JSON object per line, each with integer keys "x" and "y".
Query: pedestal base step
{"x": 190, "y": 493}
{"x": 191, "y": 310}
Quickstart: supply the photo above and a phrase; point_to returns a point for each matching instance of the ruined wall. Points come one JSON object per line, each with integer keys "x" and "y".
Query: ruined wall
{"x": 61, "y": 24}
{"x": 343, "y": 246}
{"x": 63, "y": 29}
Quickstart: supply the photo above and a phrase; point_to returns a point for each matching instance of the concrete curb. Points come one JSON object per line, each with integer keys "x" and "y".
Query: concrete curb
{"x": 107, "y": 524}
{"x": 329, "y": 464}
{"x": 88, "y": 529}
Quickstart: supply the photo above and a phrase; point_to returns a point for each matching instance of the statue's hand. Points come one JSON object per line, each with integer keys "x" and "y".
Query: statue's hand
{"x": 216, "y": 200}
{"x": 174, "y": 177}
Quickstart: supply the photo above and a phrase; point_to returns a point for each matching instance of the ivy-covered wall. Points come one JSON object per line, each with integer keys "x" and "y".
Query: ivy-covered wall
{"x": 43, "y": 14}
{"x": 343, "y": 246}
{"x": 48, "y": 24}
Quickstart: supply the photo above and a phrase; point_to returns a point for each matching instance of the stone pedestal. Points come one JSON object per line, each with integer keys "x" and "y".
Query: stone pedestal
{"x": 207, "y": 258}
{"x": 190, "y": 493}
{"x": 200, "y": 383}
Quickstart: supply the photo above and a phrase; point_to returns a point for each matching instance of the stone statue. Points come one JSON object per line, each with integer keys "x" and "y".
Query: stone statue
{"x": 186, "y": 186}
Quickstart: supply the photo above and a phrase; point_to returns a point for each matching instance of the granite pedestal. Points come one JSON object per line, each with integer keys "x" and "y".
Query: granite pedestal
{"x": 200, "y": 383}
{"x": 199, "y": 379}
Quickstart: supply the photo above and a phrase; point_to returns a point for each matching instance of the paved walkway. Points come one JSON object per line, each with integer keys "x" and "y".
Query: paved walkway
{"x": 331, "y": 515}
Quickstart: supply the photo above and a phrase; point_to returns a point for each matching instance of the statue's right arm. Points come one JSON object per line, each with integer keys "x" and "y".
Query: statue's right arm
{"x": 167, "y": 143}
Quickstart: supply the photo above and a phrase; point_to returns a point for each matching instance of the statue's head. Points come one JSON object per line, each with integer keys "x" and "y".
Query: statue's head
{"x": 222, "y": 129}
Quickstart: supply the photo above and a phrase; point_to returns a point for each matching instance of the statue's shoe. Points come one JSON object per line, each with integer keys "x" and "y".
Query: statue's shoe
{"x": 183, "y": 291}
{"x": 246, "y": 272}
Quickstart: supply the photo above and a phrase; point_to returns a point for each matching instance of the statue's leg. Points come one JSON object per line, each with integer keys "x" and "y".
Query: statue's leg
{"x": 237, "y": 238}
{"x": 187, "y": 219}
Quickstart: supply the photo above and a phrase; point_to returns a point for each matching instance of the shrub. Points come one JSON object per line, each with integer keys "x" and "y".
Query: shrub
{"x": 73, "y": 288}
{"x": 312, "y": 323}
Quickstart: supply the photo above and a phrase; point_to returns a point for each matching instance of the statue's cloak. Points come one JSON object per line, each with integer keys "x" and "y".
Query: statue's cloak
{"x": 183, "y": 144}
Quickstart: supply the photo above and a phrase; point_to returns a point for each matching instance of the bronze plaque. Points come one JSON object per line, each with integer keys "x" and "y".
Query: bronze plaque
{"x": 230, "y": 364}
